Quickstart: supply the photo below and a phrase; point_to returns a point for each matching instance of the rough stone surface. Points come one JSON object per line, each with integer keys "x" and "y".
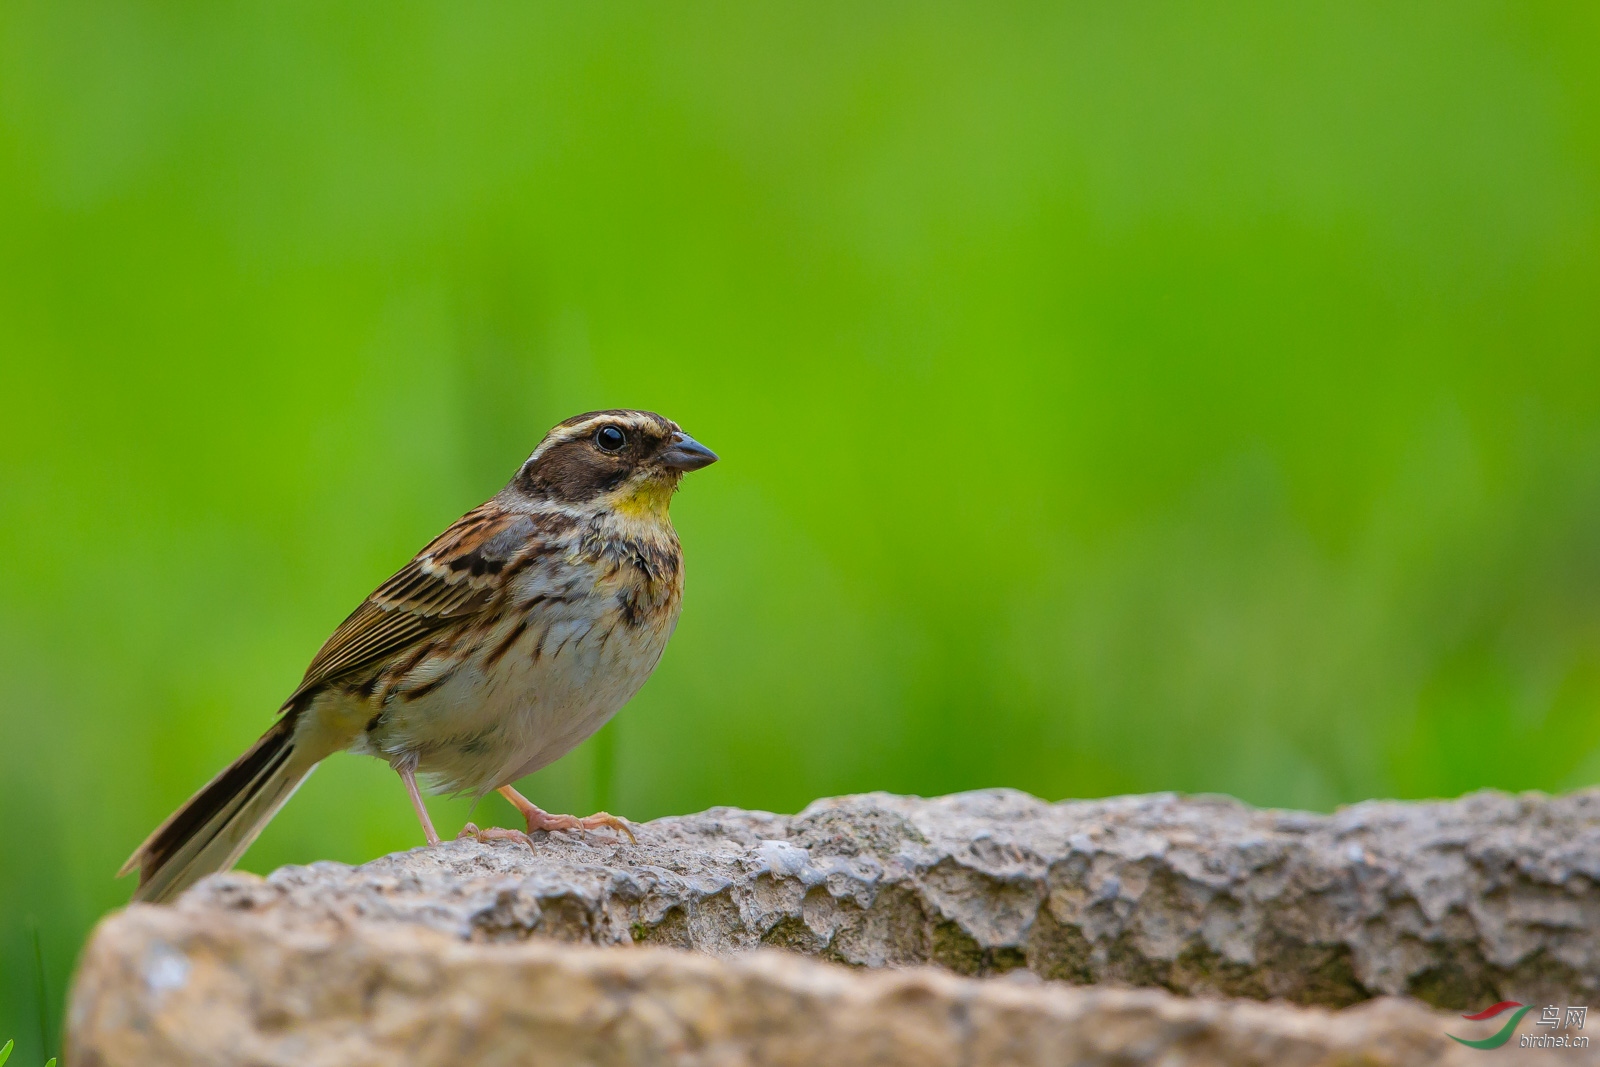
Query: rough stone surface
{"x": 189, "y": 987}
{"x": 1461, "y": 903}
{"x": 447, "y": 952}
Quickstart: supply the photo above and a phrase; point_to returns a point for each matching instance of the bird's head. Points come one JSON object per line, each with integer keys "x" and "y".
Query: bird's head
{"x": 627, "y": 461}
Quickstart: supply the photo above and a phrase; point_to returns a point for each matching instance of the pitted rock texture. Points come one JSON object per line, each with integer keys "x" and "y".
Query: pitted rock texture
{"x": 1460, "y": 904}
{"x": 201, "y": 986}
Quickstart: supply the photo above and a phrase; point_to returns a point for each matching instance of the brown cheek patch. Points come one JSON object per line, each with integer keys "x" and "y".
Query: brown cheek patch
{"x": 573, "y": 472}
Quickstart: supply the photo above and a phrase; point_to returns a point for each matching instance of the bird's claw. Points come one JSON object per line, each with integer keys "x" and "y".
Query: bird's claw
{"x": 600, "y": 820}
{"x": 610, "y": 822}
{"x": 492, "y": 833}
{"x": 548, "y": 823}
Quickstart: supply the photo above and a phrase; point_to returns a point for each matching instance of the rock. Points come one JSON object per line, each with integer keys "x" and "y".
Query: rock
{"x": 193, "y": 986}
{"x": 1460, "y": 904}
{"x": 446, "y": 954}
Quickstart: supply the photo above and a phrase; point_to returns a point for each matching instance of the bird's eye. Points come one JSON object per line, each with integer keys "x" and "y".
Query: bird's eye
{"x": 610, "y": 439}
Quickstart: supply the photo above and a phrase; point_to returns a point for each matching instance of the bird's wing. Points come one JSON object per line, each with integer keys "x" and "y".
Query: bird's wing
{"x": 456, "y": 576}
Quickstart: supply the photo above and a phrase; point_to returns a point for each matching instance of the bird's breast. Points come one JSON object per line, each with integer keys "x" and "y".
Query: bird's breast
{"x": 572, "y": 640}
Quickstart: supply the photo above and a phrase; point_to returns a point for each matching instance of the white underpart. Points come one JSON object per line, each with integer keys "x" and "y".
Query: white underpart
{"x": 490, "y": 725}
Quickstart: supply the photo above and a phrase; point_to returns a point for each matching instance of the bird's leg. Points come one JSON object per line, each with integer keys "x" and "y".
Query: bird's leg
{"x": 408, "y": 775}
{"x": 539, "y": 819}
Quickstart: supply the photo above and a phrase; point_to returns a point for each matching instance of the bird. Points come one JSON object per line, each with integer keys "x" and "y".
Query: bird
{"x": 510, "y": 638}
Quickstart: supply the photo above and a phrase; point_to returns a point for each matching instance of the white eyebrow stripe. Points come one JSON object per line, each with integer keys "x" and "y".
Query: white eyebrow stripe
{"x": 584, "y": 428}
{"x": 568, "y": 433}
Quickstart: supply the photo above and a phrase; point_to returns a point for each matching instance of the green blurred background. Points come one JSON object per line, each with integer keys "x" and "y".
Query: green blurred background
{"x": 1112, "y": 397}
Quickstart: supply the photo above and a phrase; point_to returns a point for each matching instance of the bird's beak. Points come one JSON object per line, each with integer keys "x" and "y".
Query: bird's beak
{"x": 686, "y": 454}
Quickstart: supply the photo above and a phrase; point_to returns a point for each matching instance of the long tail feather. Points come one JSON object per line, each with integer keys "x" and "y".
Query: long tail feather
{"x": 214, "y": 827}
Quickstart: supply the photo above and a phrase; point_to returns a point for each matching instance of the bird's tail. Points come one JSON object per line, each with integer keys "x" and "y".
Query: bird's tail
{"x": 214, "y": 827}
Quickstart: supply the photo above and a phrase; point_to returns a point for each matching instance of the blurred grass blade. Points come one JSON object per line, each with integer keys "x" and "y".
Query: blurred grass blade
{"x": 41, "y": 986}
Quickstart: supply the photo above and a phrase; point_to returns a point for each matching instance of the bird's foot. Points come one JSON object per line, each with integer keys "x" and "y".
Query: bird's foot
{"x": 539, "y": 819}
{"x": 492, "y": 833}
{"x": 543, "y": 820}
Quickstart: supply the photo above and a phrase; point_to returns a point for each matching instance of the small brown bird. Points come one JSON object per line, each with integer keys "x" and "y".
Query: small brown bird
{"x": 510, "y": 638}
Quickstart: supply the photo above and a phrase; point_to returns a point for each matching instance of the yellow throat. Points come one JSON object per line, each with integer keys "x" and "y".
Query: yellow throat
{"x": 646, "y": 499}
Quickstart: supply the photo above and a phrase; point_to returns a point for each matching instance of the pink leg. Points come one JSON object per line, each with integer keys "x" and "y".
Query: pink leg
{"x": 409, "y": 777}
{"x": 539, "y": 819}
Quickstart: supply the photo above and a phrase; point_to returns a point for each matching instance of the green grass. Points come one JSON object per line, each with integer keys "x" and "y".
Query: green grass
{"x": 1111, "y": 397}
{"x": 5, "y": 1054}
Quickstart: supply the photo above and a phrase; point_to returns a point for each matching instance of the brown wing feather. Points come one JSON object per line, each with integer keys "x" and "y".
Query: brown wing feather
{"x": 456, "y": 576}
